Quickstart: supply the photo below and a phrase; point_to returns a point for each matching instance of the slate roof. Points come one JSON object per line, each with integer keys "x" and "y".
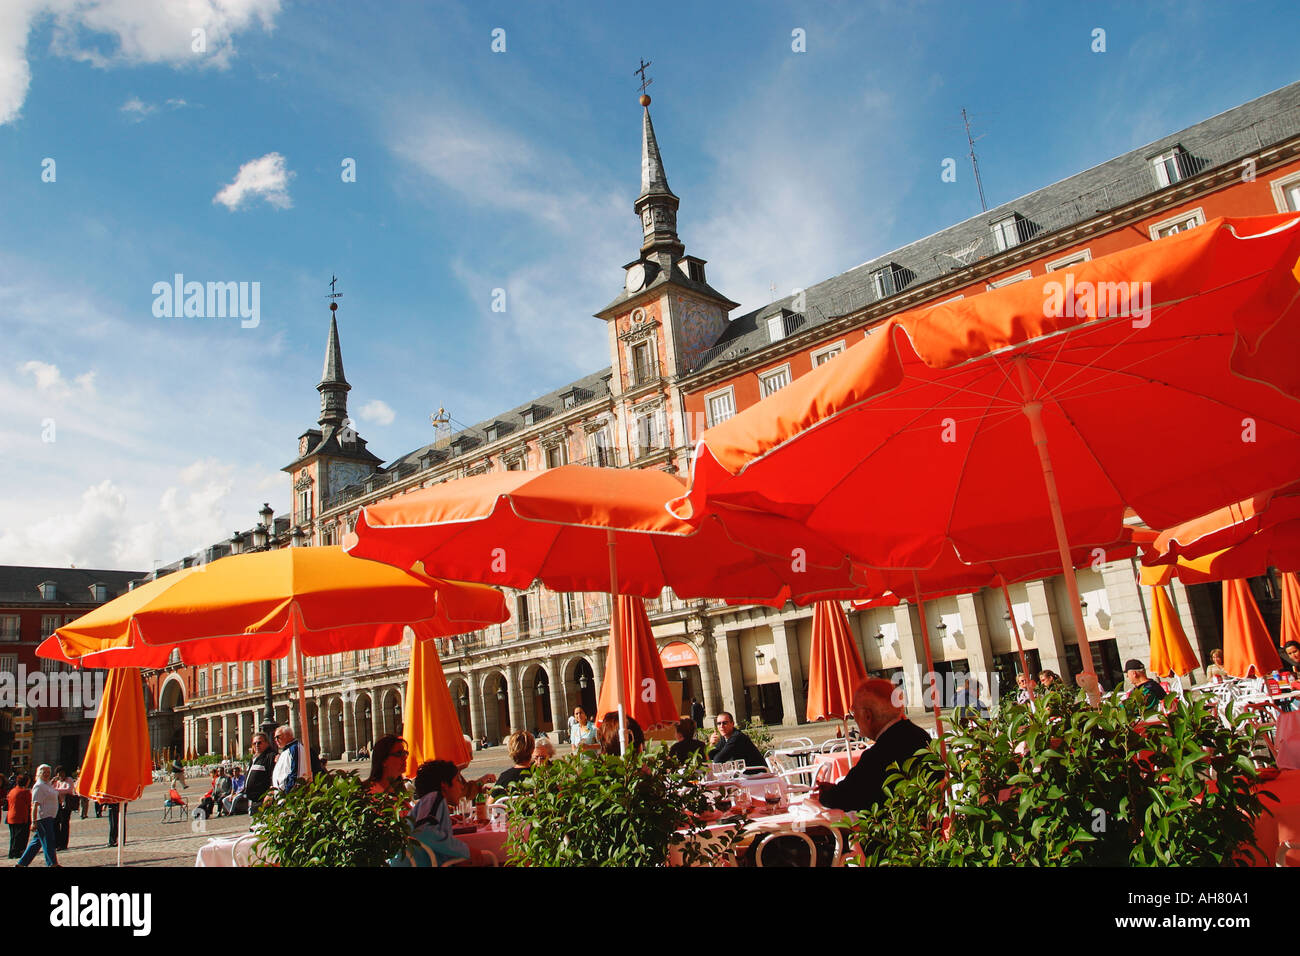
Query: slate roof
{"x": 19, "y": 585}
{"x": 1227, "y": 137}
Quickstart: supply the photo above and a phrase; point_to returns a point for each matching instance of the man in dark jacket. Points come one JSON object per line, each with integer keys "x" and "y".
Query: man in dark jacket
{"x": 896, "y": 739}
{"x": 728, "y": 743}
{"x": 1136, "y": 674}
{"x": 257, "y": 781}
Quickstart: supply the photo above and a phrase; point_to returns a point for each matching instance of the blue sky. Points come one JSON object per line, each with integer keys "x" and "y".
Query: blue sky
{"x": 478, "y": 170}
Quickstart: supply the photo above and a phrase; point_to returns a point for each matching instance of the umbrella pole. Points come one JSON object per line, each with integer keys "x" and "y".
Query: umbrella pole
{"x": 1033, "y": 410}
{"x": 1015, "y": 629}
{"x": 929, "y": 667}
{"x": 617, "y": 663}
{"x": 302, "y": 697}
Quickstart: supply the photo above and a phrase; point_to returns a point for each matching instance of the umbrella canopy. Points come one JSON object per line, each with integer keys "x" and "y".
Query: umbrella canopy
{"x": 1005, "y": 422}
{"x": 429, "y": 722}
{"x": 644, "y": 689}
{"x": 1171, "y": 652}
{"x": 512, "y": 528}
{"x": 1248, "y": 649}
{"x": 248, "y": 607}
{"x": 834, "y": 666}
{"x": 118, "y": 765}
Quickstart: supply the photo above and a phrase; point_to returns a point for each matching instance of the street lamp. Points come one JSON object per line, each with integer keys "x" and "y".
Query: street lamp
{"x": 501, "y": 692}
{"x": 880, "y": 638}
{"x": 758, "y": 655}
{"x": 540, "y": 687}
{"x": 236, "y": 542}
{"x": 1083, "y": 606}
{"x": 941, "y": 627}
{"x": 582, "y": 681}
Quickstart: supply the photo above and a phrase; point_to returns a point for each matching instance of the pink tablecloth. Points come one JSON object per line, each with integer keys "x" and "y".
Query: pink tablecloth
{"x": 1281, "y": 824}
{"x": 832, "y": 768}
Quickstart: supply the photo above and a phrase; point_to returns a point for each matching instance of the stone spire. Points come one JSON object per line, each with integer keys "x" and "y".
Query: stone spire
{"x": 656, "y": 206}
{"x": 333, "y": 386}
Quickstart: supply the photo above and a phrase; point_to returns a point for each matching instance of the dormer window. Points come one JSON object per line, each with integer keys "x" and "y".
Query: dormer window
{"x": 889, "y": 280}
{"x": 1171, "y": 166}
{"x": 490, "y": 433}
{"x": 569, "y": 399}
{"x": 529, "y": 415}
{"x": 48, "y": 590}
{"x": 99, "y": 592}
{"x": 1010, "y": 232}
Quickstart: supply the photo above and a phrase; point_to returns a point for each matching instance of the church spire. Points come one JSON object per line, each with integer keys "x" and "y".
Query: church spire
{"x": 333, "y": 386}
{"x": 656, "y": 206}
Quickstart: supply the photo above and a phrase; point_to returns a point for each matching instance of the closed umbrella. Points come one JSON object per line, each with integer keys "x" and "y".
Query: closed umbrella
{"x": 118, "y": 766}
{"x": 1005, "y": 423}
{"x": 834, "y": 666}
{"x": 1247, "y": 647}
{"x": 429, "y": 722}
{"x": 1290, "y": 607}
{"x": 644, "y": 691}
{"x": 1171, "y": 652}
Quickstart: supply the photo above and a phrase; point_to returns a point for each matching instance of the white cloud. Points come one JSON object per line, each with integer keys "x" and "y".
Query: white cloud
{"x": 265, "y": 177}
{"x": 50, "y": 380}
{"x": 137, "y": 109}
{"x": 109, "y": 33}
{"x": 377, "y": 411}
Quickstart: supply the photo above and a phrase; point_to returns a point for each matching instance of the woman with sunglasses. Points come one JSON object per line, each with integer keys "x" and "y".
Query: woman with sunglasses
{"x": 387, "y": 764}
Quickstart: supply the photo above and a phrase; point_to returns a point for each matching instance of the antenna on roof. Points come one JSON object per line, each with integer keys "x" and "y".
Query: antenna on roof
{"x": 973, "y": 161}
{"x": 441, "y": 422}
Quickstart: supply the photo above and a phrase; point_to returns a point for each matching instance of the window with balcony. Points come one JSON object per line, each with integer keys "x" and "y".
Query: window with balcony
{"x": 203, "y": 683}
{"x": 523, "y": 623}
{"x": 1286, "y": 193}
{"x": 556, "y": 455}
{"x": 647, "y": 433}
{"x": 8, "y": 664}
{"x": 232, "y": 678}
{"x": 824, "y": 355}
{"x": 10, "y": 627}
{"x": 216, "y": 679}
{"x": 774, "y": 381}
{"x": 573, "y": 608}
{"x": 720, "y": 406}
{"x": 1176, "y": 224}
{"x": 49, "y": 624}
{"x": 643, "y": 366}
{"x": 599, "y": 449}
{"x": 304, "y": 506}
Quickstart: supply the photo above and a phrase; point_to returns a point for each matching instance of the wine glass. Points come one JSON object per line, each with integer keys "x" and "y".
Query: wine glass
{"x": 738, "y": 768}
{"x": 772, "y": 796}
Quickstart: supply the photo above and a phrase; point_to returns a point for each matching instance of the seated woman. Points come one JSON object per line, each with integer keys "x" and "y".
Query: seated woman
{"x": 687, "y": 742}
{"x": 609, "y": 735}
{"x": 387, "y": 764}
{"x": 520, "y": 747}
{"x": 439, "y": 785}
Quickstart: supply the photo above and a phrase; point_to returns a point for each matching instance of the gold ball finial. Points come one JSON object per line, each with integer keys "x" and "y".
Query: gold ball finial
{"x": 645, "y": 100}
{"x": 334, "y": 306}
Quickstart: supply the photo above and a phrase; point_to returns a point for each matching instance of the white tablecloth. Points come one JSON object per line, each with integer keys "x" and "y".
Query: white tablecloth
{"x": 756, "y": 785}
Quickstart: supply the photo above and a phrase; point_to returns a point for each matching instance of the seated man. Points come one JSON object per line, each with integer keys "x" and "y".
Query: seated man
{"x": 1135, "y": 673}
{"x": 896, "y": 739}
{"x": 728, "y": 743}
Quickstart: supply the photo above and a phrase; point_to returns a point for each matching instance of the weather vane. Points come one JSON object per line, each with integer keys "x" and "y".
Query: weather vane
{"x": 334, "y": 295}
{"x": 641, "y": 69}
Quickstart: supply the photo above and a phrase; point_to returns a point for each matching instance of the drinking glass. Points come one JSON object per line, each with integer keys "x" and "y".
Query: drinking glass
{"x": 772, "y": 796}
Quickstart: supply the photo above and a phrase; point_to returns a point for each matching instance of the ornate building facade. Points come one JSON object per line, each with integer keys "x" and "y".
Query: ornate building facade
{"x": 680, "y": 362}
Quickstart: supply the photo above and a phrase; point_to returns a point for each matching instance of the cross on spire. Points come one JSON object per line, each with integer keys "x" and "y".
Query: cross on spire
{"x": 641, "y": 69}
{"x": 333, "y": 294}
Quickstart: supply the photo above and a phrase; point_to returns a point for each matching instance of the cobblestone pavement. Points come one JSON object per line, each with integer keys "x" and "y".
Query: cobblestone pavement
{"x": 151, "y": 842}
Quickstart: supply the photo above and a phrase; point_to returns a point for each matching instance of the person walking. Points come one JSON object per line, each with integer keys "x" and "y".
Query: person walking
{"x": 45, "y": 810}
{"x": 113, "y": 810}
{"x": 63, "y": 819}
{"x": 19, "y": 815}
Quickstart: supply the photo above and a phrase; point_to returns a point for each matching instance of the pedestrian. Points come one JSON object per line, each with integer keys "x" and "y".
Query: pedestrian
{"x": 19, "y": 815}
{"x": 81, "y": 798}
{"x": 113, "y": 809}
{"x": 63, "y": 819}
{"x": 292, "y": 765}
{"x": 45, "y": 810}
{"x": 697, "y": 712}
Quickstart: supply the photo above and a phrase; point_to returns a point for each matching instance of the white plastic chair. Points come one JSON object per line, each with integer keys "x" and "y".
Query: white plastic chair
{"x": 835, "y": 744}
{"x": 796, "y": 743}
{"x": 800, "y": 779}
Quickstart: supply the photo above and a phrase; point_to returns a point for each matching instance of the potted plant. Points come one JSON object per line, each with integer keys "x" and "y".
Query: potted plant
{"x": 333, "y": 820}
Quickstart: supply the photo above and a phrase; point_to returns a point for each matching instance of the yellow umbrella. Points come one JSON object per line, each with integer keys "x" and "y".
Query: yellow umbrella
{"x": 429, "y": 722}
{"x": 1171, "y": 653}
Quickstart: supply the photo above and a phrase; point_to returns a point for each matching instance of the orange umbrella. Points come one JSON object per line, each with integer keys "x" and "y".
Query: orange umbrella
{"x": 834, "y": 667}
{"x": 1198, "y": 332}
{"x": 273, "y": 604}
{"x": 596, "y": 529}
{"x": 1290, "y": 607}
{"x": 429, "y": 722}
{"x": 644, "y": 687}
{"x": 1247, "y": 647}
{"x": 117, "y": 766}
{"x": 1171, "y": 653}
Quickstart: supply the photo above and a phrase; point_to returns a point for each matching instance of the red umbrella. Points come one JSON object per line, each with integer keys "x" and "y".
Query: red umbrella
{"x": 1290, "y": 607}
{"x": 1006, "y": 423}
{"x": 595, "y": 529}
{"x": 644, "y": 684}
{"x": 834, "y": 667}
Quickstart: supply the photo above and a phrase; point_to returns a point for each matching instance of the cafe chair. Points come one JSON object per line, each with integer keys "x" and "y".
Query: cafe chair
{"x": 785, "y": 848}
{"x": 1283, "y": 849}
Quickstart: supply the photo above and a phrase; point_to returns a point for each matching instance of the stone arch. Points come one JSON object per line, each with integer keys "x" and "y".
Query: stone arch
{"x": 392, "y": 711}
{"x": 168, "y": 729}
{"x": 574, "y": 693}
{"x": 362, "y": 718}
{"x": 537, "y": 707}
{"x": 334, "y": 727}
{"x": 496, "y": 711}
{"x": 313, "y": 722}
{"x": 458, "y": 688}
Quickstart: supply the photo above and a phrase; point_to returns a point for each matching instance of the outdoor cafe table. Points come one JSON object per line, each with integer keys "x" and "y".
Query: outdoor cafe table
{"x": 241, "y": 849}
{"x": 755, "y": 784}
{"x": 833, "y": 767}
{"x": 800, "y": 813}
